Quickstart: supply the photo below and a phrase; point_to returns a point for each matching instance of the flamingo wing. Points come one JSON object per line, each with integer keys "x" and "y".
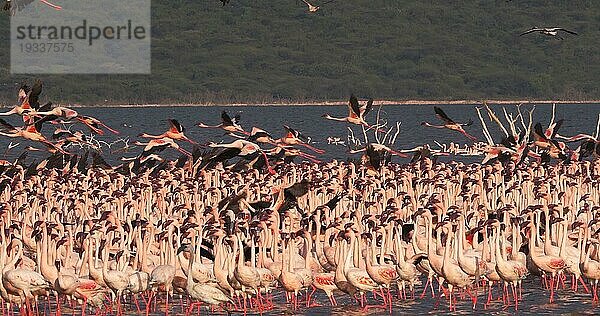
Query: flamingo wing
{"x": 353, "y": 107}
{"x": 374, "y": 157}
{"x": 531, "y": 30}
{"x": 34, "y": 94}
{"x": 553, "y": 129}
{"x": 175, "y": 126}
{"x": 47, "y": 118}
{"x": 388, "y": 274}
{"x": 59, "y": 133}
{"x": 5, "y": 127}
{"x": 292, "y": 133}
{"x": 236, "y": 119}
{"x": 367, "y": 108}
{"x": 98, "y": 161}
{"x": 538, "y": 132}
{"x": 565, "y": 30}
{"x": 226, "y": 119}
{"x": 442, "y": 115}
{"x": 325, "y": 280}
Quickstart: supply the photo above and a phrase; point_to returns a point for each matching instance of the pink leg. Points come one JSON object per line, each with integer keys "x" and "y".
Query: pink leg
{"x": 551, "y": 289}
{"x": 57, "y": 7}
{"x": 425, "y": 288}
{"x": 583, "y": 284}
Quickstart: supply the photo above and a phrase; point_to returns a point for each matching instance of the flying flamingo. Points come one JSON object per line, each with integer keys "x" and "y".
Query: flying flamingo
{"x": 548, "y": 31}
{"x": 356, "y": 113}
{"x": 450, "y": 124}
{"x": 240, "y": 147}
{"x": 48, "y": 114}
{"x": 228, "y": 123}
{"x": 311, "y": 8}
{"x": 381, "y": 148}
{"x": 175, "y": 132}
{"x": 95, "y": 125}
{"x": 294, "y": 137}
{"x": 28, "y": 99}
{"x": 158, "y": 145}
{"x": 29, "y": 133}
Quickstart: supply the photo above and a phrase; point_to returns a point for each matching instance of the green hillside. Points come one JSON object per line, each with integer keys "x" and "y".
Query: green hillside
{"x": 255, "y": 50}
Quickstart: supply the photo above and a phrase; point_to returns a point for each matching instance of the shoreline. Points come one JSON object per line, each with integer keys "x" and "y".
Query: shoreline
{"x": 331, "y": 103}
{"x": 344, "y": 103}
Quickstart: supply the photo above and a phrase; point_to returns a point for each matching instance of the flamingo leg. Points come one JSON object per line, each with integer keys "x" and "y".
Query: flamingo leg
{"x": 317, "y": 150}
{"x": 551, "y": 289}
{"x": 583, "y": 284}
{"x": 515, "y": 296}
{"x": 425, "y": 288}
{"x": 52, "y": 5}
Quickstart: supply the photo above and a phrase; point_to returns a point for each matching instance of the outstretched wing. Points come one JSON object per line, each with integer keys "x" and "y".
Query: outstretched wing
{"x": 226, "y": 119}
{"x": 5, "y": 127}
{"x": 98, "y": 161}
{"x": 59, "y": 133}
{"x": 24, "y": 91}
{"x": 531, "y": 30}
{"x": 175, "y": 126}
{"x": 290, "y": 131}
{"x": 353, "y": 107}
{"x": 374, "y": 157}
{"x": 34, "y": 95}
{"x": 538, "y": 131}
{"x": 442, "y": 116}
{"x": 47, "y": 118}
{"x": 565, "y": 30}
{"x": 553, "y": 129}
{"x": 367, "y": 108}
{"x": 236, "y": 119}
{"x": 294, "y": 133}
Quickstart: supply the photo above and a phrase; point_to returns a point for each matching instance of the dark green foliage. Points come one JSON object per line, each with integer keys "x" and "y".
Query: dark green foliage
{"x": 261, "y": 51}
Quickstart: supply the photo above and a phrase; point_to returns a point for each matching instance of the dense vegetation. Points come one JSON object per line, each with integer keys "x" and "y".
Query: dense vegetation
{"x": 255, "y": 50}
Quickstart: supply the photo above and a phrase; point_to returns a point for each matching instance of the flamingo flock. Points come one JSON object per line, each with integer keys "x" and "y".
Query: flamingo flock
{"x": 230, "y": 226}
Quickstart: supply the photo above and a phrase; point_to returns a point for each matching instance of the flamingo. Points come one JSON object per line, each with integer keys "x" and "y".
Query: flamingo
{"x": 95, "y": 125}
{"x": 29, "y": 133}
{"x": 548, "y": 31}
{"x": 359, "y": 278}
{"x": 357, "y": 113}
{"x": 240, "y": 147}
{"x": 228, "y": 123}
{"x": 450, "y": 124}
{"x": 453, "y": 274}
{"x": 590, "y": 268}
{"x": 116, "y": 280}
{"x": 175, "y": 132}
{"x": 158, "y": 145}
{"x": 22, "y": 282}
{"x": 511, "y": 271}
{"x": 294, "y": 137}
{"x": 290, "y": 279}
{"x": 207, "y": 293}
{"x": 544, "y": 262}
{"x": 382, "y": 274}
{"x": 311, "y": 8}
